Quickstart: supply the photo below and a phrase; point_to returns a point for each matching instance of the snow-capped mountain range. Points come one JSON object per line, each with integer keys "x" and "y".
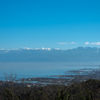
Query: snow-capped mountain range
{"x": 50, "y": 55}
{"x": 26, "y": 48}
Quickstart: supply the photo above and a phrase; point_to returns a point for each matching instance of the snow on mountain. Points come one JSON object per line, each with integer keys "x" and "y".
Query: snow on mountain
{"x": 51, "y": 54}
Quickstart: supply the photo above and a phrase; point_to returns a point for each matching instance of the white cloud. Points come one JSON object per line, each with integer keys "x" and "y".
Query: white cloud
{"x": 73, "y": 43}
{"x": 86, "y": 43}
{"x": 96, "y": 43}
{"x": 68, "y": 43}
{"x": 63, "y": 43}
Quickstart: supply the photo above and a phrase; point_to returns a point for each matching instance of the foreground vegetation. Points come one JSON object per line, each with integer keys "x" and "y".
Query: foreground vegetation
{"x": 89, "y": 90}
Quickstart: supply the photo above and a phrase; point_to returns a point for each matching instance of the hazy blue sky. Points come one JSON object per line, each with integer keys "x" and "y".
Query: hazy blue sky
{"x": 49, "y": 23}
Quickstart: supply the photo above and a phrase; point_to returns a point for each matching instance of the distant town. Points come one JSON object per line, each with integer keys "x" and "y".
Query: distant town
{"x": 70, "y": 77}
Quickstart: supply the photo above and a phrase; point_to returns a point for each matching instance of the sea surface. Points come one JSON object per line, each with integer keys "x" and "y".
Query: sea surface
{"x": 41, "y": 69}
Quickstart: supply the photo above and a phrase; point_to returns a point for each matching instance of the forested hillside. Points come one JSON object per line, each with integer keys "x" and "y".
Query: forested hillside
{"x": 89, "y": 90}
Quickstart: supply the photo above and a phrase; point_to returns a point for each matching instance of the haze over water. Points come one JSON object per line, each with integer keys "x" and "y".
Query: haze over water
{"x": 41, "y": 69}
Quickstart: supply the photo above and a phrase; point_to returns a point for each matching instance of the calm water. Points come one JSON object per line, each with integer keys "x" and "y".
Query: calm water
{"x": 41, "y": 69}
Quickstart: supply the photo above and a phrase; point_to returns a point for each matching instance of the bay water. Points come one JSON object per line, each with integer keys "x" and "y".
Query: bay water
{"x": 42, "y": 69}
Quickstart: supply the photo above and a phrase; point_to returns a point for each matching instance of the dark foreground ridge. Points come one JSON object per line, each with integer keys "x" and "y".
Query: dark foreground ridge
{"x": 88, "y": 90}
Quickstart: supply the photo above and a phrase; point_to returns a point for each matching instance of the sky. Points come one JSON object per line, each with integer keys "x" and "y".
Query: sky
{"x": 63, "y": 24}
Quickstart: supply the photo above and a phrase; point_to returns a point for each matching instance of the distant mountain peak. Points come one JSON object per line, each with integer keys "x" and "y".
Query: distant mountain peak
{"x": 26, "y": 48}
{"x": 49, "y": 49}
{"x": 85, "y": 48}
{"x": 46, "y": 49}
{"x": 50, "y": 54}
